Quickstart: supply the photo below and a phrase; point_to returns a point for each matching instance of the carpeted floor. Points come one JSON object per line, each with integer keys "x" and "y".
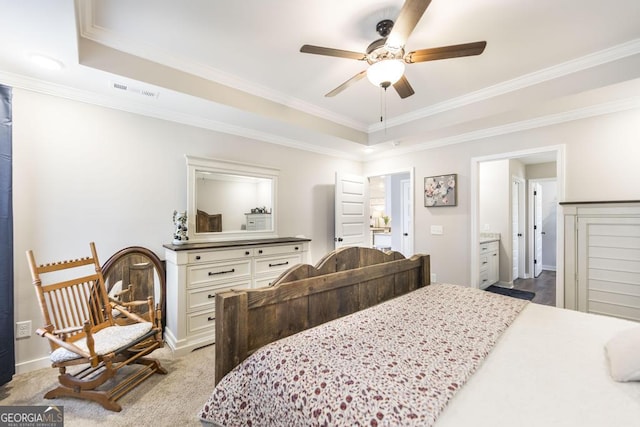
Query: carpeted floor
{"x": 515, "y": 293}
{"x": 162, "y": 400}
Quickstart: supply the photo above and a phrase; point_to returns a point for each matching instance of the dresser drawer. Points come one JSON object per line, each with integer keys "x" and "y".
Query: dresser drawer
{"x": 201, "y": 321}
{"x": 484, "y": 279}
{"x": 279, "y": 249}
{"x": 273, "y": 266}
{"x": 488, "y": 247}
{"x": 263, "y": 282}
{"x": 484, "y": 262}
{"x": 221, "y": 272}
{"x": 222, "y": 255}
{"x": 205, "y": 298}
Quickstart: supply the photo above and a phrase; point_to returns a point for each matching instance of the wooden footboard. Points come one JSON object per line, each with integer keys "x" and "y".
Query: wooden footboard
{"x": 343, "y": 282}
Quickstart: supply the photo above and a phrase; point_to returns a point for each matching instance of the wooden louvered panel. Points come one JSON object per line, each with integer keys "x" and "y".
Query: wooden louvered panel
{"x": 609, "y": 277}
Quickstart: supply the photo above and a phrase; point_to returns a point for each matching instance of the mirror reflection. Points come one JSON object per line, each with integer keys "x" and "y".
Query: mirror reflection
{"x": 230, "y": 200}
{"x": 131, "y": 275}
{"x": 226, "y": 202}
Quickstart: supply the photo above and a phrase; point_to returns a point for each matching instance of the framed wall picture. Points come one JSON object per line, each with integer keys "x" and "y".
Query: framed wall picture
{"x": 441, "y": 190}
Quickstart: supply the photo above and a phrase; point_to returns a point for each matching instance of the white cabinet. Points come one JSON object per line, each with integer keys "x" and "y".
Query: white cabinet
{"x": 489, "y": 263}
{"x": 602, "y": 258}
{"x": 197, "y": 272}
{"x": 257, "y": 222}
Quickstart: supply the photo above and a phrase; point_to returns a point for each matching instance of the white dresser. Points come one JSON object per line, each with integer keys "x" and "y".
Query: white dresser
{"x": 196, "y": 272}
{"x": 258, "y": 221}
{"x": 489, "y": 261}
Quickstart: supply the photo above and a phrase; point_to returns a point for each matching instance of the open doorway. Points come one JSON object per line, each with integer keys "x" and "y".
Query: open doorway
{"x": 528, "y": 167}
{"x": 391, "y": 212}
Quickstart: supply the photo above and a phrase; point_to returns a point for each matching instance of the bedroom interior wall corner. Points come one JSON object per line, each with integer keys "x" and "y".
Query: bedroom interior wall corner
{"x": 90, "y": 173}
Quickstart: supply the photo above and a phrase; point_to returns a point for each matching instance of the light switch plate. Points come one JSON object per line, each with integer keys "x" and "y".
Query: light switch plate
{"x": 436, "y": 230}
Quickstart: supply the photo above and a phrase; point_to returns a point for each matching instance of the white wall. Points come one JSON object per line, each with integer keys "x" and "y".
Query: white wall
{"x": 494, "y": 208}
{"x": 601, "y": 164}
{"x": 85, "y": 173}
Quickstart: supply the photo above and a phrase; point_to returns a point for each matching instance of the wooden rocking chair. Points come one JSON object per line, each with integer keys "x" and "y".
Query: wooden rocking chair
{"x": 81, "y": 331}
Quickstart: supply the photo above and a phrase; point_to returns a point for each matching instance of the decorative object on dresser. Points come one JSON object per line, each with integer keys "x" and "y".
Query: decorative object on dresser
{"x": 180, "y": 223}
{"x": 440, "y": 190}
{"x": 197, "y": 272}
{"x": 80, "y": 324}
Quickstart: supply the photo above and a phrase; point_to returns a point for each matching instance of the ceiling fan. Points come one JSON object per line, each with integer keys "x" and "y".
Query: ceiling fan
{"x": 386, "y": 56}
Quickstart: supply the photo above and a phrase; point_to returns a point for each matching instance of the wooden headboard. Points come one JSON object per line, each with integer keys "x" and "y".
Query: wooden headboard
{"x": 344, "y": 281}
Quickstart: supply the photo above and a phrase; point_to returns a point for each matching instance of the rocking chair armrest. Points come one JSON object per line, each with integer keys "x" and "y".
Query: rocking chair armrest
{"x": 68, "y": 345}
{"x": 130, "y": 303}
{"x": 125, "y": 311}
{"x": 66, "y": 331}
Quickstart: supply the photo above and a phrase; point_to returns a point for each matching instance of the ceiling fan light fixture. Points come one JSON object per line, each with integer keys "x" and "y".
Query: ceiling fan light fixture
{"x": 386, "y": 72}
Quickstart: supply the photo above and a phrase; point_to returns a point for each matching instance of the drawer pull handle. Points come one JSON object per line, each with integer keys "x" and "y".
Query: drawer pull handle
{"x": 213, "y": 273}
{"x": 486, "y": 262}
{"x": 197, "y": 257}
{"x": 211, "y": 296}
{"x": 296, "y": 248}
{"x": 260, "y": 251}
{"x": 495, "y": 254}
{"x": 483, "y": 249}
{"x": 278, "y": 264}
{"x": 247, "y": 253}
{"x": 209, "y": 319}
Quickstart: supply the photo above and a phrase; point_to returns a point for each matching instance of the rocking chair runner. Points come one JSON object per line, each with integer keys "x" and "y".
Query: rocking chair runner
{"x": 82, "y": 331}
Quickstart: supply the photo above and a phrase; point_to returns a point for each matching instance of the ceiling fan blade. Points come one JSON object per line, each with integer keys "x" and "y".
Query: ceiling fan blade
{"x": 410, "y": 14}
{"x": 445, "y": 52}
{"x": 348, "y": 83}
{"x": 403, "y": 87}
{"x": 327, "y": 51}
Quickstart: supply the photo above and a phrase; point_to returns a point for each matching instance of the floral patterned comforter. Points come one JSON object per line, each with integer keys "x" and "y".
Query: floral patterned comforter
{"x": 397, "y": 363}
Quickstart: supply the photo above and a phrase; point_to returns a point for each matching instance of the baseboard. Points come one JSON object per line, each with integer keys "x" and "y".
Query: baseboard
{"x": 506, "y": 285}
{"x": 33, "y": 365}
{"x": 549, "y": 267}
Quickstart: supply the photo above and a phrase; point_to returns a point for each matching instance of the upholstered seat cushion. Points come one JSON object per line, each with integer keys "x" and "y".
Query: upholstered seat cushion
{"x": 107, "y": 340}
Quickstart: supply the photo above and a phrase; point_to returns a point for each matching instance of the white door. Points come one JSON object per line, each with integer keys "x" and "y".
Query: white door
{"x": 351, "y": 211}
{"x": 537, "y": 229}
{"x": 407, "y": 244}
{"x": 515, "y": 229}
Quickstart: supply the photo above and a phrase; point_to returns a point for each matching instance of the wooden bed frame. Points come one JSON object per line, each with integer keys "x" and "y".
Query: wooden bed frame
{"x": 343, "y": 282}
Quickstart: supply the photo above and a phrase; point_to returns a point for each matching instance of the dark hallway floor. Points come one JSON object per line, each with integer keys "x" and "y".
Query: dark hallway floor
{"x": 544, "y": 286}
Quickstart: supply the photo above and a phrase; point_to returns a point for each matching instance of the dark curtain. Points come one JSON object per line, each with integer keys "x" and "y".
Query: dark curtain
{"x": 7, "y": 355}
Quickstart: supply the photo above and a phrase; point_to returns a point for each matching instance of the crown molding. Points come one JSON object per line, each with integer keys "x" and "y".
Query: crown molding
{"x": 538, "y": 122}
{"x": 614, "y": 53}
{"x": 90, "y": 30}
{"x": 130, "y": 106}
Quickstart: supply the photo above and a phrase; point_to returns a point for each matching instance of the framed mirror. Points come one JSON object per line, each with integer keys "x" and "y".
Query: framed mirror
{"x": 133, "y": 274}
{"x": 229, "y": 200}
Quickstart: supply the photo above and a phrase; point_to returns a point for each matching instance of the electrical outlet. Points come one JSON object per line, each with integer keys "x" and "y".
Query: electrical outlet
{"x": 23, "y": 329}
{"x": 434, "y": 278}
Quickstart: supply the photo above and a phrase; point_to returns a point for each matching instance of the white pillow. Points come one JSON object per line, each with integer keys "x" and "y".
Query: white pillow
{"x": 623, "y": 355}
